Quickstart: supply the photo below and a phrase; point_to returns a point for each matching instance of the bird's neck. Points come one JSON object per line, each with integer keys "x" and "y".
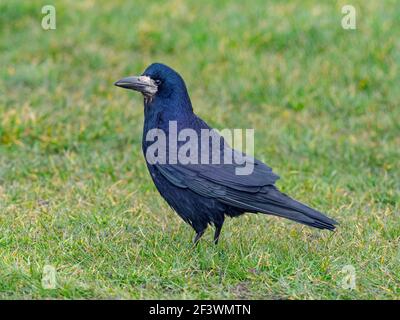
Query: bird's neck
{"x": 159, "y": 112}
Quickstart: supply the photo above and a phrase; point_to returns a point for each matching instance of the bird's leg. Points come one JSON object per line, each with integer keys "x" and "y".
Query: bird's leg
{"x": 217, "y": 233}
{"x": 197, "y": 237}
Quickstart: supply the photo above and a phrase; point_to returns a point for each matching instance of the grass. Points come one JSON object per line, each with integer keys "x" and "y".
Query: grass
{"x": 74, "y": 189}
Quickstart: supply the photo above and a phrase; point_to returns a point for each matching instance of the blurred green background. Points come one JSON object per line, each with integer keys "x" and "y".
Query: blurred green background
{"x": 74, "y": 190}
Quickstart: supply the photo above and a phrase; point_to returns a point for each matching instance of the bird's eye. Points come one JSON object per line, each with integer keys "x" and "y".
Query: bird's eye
{"x": 157, "y": 82}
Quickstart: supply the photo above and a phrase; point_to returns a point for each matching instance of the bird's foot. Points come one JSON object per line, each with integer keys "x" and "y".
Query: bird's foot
{"x": 197, "y": 237}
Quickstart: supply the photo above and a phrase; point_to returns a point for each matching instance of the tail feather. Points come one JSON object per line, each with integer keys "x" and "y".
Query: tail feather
{"x": 282, "y": 205}
{"x": 271, "y": 201}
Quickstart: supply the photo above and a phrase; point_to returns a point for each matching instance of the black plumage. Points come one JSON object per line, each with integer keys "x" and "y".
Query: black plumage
{"x": 204, "y": 194}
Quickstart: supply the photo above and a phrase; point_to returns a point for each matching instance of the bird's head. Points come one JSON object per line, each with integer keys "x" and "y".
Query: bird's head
{"x": 158, "y": 80}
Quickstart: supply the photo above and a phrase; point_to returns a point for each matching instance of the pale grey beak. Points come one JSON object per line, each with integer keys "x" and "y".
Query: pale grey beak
{"x": 143, "y": 84}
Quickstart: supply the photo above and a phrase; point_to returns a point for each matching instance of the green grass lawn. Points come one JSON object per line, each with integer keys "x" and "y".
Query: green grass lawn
{"x": 74, "y": 189}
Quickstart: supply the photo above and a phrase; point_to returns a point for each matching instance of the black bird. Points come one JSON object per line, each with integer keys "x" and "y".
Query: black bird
{"x": 204, "y": 194}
